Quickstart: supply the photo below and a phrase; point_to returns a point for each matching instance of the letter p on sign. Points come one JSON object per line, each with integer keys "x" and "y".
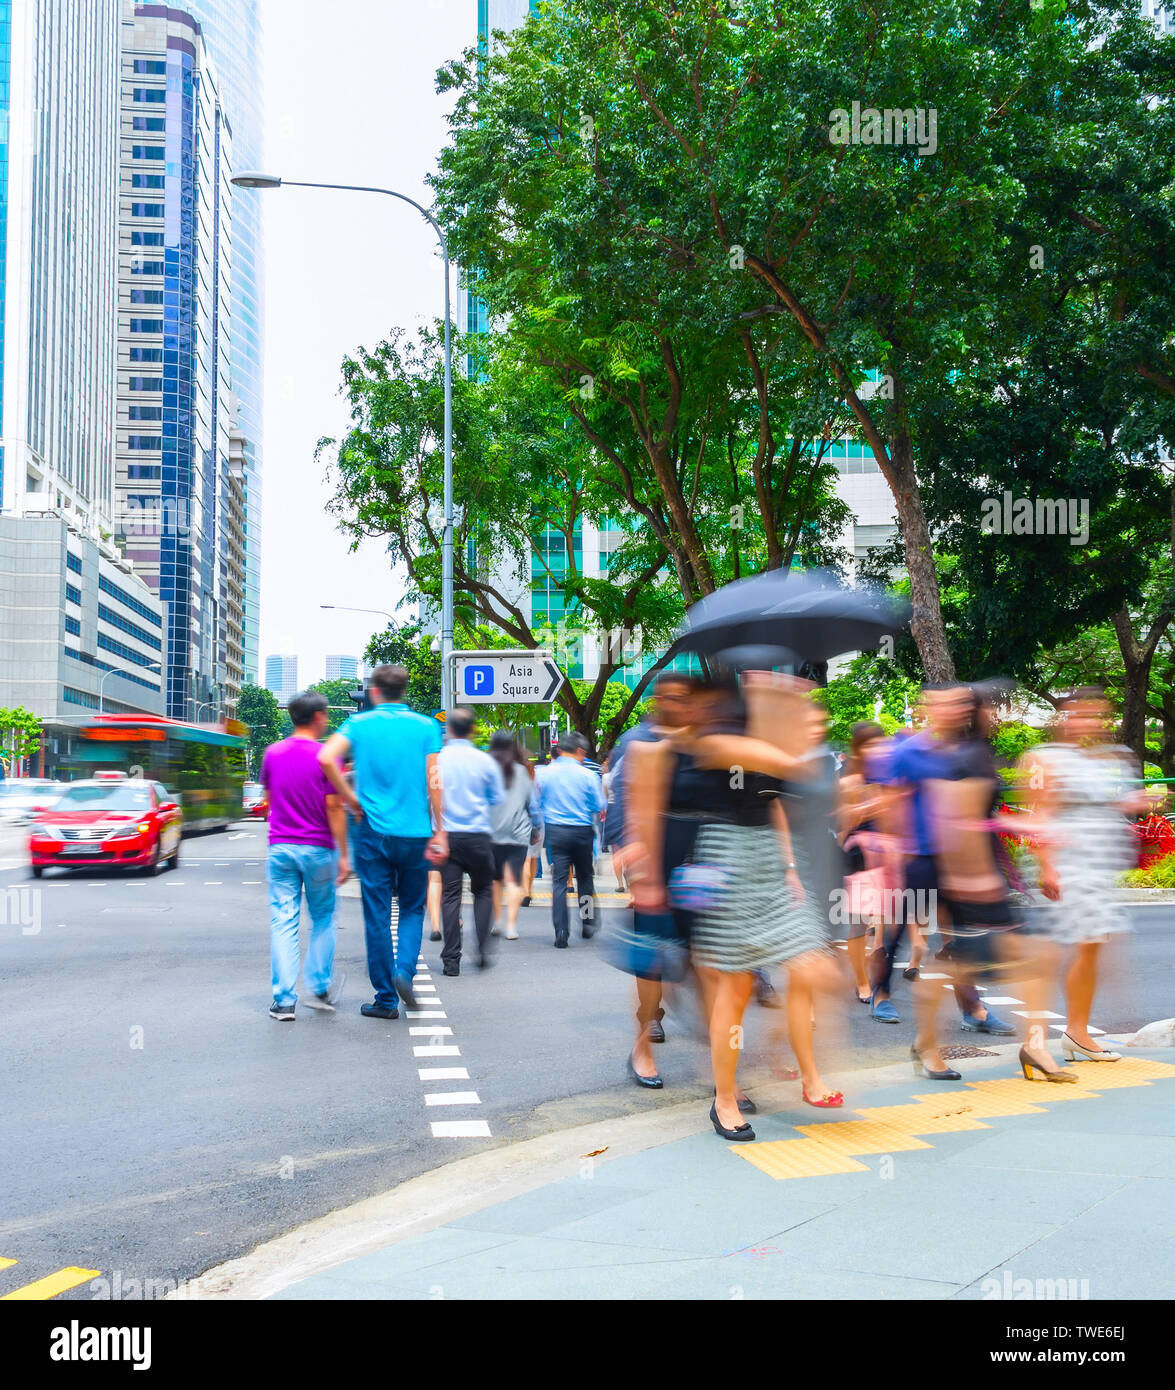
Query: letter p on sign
{"x": 479, "y": 680}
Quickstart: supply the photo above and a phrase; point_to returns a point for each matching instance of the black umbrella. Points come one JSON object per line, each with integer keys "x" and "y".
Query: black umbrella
{"x": 807, "y": 613}
{"x": 757, "y": 657}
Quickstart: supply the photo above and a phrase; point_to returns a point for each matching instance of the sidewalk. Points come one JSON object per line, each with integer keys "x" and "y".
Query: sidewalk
{"x": 957, "y": 1190}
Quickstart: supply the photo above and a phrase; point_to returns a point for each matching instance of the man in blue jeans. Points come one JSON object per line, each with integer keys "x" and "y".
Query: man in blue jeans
{"x": 306, "y": 823}
{"x": 397, "y": 809}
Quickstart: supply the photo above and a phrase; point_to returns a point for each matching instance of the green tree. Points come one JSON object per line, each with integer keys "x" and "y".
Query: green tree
{"x": 406, "y": 646}
{"x": 338, "y": 697}
{"x": 258, "y": 708}
{"x": 20, "y": 735}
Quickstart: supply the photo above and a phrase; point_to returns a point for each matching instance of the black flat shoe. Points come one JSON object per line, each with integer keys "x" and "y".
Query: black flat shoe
{"x": 653, "y": 1083}
{"x": 654, "y": 1032}
{"x": 921, "y": 1069}
{"x": 745, "y": 1104}
{"x": 910, "y": 973}
{"x": 741, "y": 1135}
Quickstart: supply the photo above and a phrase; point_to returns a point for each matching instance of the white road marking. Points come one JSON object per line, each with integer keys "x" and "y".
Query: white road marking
{"x": 212, "y": 883}
{"x": 426, "y": 1013}
{"x": 437, "y": 1050}
{"x": 1003, "y": 999}
{"x": 250, "y": 882}
{"x": 433, "y": 1032}
{"x": 460, "y": 1129}
{"x": 1038, "y": 1013}
{"x": 452, "y": 1098}
{"x": 442, "y": 1073}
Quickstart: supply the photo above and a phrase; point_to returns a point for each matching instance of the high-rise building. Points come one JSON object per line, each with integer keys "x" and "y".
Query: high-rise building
{"x": 58, "y": 255}
{"x": 232, "y": 35}
{"x": 175, "y": 316}
{"x": 281, "y": 676}
{"x": 342, "y": 668}
{"x": 81, "y": 631}
{"x": 232, "y": 572}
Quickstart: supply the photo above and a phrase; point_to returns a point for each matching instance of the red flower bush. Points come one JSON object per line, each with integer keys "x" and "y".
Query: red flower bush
{"x": 1156, "y": 839}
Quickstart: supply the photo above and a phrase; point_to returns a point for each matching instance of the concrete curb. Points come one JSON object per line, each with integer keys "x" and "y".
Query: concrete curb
{"x": 482, "y": 1180}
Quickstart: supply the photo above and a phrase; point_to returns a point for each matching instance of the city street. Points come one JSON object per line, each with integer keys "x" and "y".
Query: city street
{"x": 158, "y": 1123}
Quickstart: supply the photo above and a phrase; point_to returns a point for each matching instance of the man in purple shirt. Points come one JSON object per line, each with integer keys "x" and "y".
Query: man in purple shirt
{"x": 307, "y": 850}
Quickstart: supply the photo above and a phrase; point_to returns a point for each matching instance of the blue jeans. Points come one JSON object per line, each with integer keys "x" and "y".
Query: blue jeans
{"x": 390, "y": 865}
{"x": 291, "y": 869}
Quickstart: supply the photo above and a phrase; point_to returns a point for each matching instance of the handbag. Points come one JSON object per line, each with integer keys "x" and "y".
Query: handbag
{"x": 699, "y": 887}
{"x": 650, "y": 951}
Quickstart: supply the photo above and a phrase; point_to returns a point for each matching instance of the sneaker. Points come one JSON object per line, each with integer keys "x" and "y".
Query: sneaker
{"x": 284, "y": 1013}
{"x": 451, "y": 970}
{"x": 884, "y": 1012}
{"x": 327, "y": 1000}
{"x": 991, "y": 1024}
{"x": 560, "y": 943}
{"x": 403, "y": 983}
{"x": 434, "y": 936}
{"x": 378, "y": 1011}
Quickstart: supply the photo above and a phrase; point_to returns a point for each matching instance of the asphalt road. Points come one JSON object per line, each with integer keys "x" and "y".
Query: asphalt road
{"x": 157, "y": 1122}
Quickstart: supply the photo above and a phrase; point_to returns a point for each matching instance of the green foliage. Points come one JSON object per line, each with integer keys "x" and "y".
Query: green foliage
{"x": 1013, "y": 738}
{"x": 1160, "y": 874}
{"x": 258, "y": 708}
{"x": 853, "y": 697}
{"x": 20, "y": 733}
{"x": 338, "y": 696}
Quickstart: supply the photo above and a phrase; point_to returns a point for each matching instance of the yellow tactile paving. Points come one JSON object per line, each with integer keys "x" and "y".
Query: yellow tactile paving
{"x": 797, "y": 1158}
{"x": 984, "y": 1107}
{"x": 862, "y": 1137}
{"x": 52, "y": 1284}
{"x": 828, "y": 1147}
{"x": 926, "y": 1119}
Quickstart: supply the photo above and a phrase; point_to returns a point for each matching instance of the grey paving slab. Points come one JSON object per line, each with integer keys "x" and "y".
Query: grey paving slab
{"x": 996, "y": 1193}
{"x": 554, "y": 1205}
{"x": 702, "y": 1221}
{"x": 395, "y": 1261}
{"x": 1140, "y": 1206}
{"x": 702, "y": 1159}
{"x": 765, "y": 1272}
{"x": 1137, "y": 1267}
{"x": 1070, "y": 1150}
{"x": 901, "y": 1245}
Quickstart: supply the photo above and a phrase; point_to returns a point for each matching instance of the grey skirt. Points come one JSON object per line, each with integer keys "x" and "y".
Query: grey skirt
{"x": 759, "y": 923}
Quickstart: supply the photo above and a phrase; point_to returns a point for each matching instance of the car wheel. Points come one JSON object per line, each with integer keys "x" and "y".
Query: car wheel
{"x": 38, "y": 870}
{"x": 151, "y": 869}
{"x": 174, "y": 861}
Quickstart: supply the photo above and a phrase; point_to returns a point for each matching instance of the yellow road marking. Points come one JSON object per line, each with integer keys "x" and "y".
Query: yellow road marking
{"x": 53, "y": 1284}
{"x": 5, "y": 1263}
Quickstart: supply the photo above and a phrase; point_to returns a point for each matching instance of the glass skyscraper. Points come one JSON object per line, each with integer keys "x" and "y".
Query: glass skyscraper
{"x": 232, "y": 34}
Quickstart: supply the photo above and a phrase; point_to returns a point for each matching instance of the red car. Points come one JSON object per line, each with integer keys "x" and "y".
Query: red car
{"x": 113, "y": 821}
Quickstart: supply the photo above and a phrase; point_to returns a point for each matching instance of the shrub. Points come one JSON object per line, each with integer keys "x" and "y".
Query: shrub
{"x": 1160, "y": 874}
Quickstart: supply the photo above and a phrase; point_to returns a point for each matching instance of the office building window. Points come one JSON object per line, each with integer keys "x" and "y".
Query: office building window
{"x": 150, "y": 94}
{"x": 109, "y": 587}
{"x": 143, "y": 472}
{"x": 147, "y": 354}
{"x": 146, "y": 383}
{"x": 146, "y": 296}
{"x": 108, "y": 644}
{"x": 147, "y": 181}
{"x": 79, "y": 697}
{"x": 148, "y": 151}
{"x": 146, "y": 325}
{"x": 150, "y": 442}
{"x": 108, "y": 615}
{"x": 150, "y": 67}
{"x": 73, "y": 595}
{"x": 148, "y": 268}
{"x": 145, "y": 412}
{"x": 146, "y": 238}
{"x": 147, "y": 209}
{"x": 72, "y": 625}
{"x": 72, "y": 562}
{"x": 149, "y": 123}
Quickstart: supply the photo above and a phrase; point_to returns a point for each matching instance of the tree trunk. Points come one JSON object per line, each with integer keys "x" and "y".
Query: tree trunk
{"x": 1136, "y": 659}
{"x": 926, "y": 623}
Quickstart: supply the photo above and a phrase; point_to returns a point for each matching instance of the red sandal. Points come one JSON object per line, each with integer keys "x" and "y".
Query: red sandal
{"x": 831, "y": 1100}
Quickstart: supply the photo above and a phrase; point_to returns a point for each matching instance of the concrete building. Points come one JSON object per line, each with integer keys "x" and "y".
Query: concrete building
{"x": 175, "y": 404}
{"x": 82, "y": 633}
{"x": 232, "y": 572}
{"x": 342, "y": 668}
{"x": 281, "y": 676}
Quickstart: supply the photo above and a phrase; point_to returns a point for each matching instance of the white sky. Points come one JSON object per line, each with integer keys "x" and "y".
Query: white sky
{"x": 349, "y": 98}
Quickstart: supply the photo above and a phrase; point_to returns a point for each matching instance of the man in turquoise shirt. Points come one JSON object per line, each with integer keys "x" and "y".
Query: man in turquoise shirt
{"x": 396, "y": 805}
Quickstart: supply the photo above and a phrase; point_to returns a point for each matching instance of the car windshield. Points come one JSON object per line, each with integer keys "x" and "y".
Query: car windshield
{"x": 18, "y": 788}
{"x": 106, "y": 796}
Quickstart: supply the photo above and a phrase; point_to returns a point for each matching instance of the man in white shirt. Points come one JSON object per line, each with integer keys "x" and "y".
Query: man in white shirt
{"x": 472, "y": 783}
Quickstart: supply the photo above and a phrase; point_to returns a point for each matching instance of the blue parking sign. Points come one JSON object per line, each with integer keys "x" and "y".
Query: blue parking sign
{"x": 479, "y": 680}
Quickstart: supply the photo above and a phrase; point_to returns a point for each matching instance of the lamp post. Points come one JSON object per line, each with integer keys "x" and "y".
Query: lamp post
{"x": 252, "y": 178}
{"x": 114, "y": 671}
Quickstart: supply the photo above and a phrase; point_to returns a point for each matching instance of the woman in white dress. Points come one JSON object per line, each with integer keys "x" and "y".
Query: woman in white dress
{"x": 1081, "y": 791}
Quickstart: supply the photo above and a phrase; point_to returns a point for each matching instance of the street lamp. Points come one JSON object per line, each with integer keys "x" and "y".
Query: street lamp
{"x": 252, "y": 178}
{"x": 115, "y": 671}
{"x": 346, "y": 608}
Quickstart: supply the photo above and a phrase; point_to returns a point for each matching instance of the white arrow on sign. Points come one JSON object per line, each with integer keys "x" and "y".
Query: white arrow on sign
{"x": 506, "y": 678}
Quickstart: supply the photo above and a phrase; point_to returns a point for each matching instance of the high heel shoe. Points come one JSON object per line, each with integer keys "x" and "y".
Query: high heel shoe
{"x": 1029, "y": 1066}
{"x": 741, "y": 1134}
{"x": 921, "y": 1069}
{"x": 1069, "y": 1048}
{"x": 831, "y": 1100}
{"x": 652, "y": 1083}
{"x": 745, "y": 1104}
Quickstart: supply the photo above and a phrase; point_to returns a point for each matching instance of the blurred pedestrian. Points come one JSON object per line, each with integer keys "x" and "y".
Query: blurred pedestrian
{"x": 571, "y": 801}
{"x": 397, "y": 809}
{"x": 517, "y": 824}
{"x": 307, "y": 853}
{"x": 473, "y": 786}
{"x": 859, "y": 812}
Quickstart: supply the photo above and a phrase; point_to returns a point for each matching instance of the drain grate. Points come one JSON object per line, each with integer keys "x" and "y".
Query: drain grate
{"x": 963, "y": 1050}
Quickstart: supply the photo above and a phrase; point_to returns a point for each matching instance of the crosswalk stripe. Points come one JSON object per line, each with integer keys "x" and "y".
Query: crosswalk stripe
{"x": 53, "y": 1284}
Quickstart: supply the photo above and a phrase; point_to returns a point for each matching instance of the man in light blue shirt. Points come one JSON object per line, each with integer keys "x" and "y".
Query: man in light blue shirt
{"x": 571, "y": 800}
{"x": 472, "y": 783}
{"x": 397, "y": 810}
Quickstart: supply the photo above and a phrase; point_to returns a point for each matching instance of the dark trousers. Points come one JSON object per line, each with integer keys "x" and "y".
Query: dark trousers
{"x": 470, "y": 854}
{"x": 572, "y": 845}
{"x": 390, "y": 865}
